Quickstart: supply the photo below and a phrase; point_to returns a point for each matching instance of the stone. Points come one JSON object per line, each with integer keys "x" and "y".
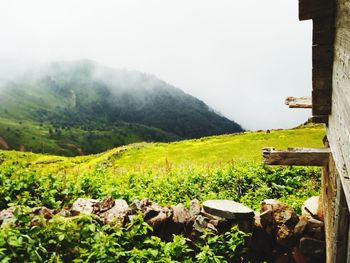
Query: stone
{"x": 180, "y": 214}
{"x": 161, "y": 219}
{"x": 300, "y": 227}
{"x": 195, "y": 207}
{"x": 311, "y": 207}
{"x": 84, "y": 205}
{"x": 43, "y": 211}
{"x": 7, "y": 215}
{"x": 281, "y": 213}
{"x": 266, "y": 218}
{"x": 134, "y": 207}
{"x": 200, "y": 223}
{"x": 228, "y": 209}
{"x": 284, "y": 236}
{"x": 118, "y": 213}
{"x": 106, "y": 204}
{"x": 312, "y": 247}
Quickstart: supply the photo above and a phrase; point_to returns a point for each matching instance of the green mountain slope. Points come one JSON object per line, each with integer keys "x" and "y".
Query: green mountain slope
{"x": 94, "y": 101}
{"x": 227, "y": 166}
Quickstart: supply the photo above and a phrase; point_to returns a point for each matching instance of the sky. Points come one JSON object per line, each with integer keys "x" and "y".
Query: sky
{"x": 243, "y": 58}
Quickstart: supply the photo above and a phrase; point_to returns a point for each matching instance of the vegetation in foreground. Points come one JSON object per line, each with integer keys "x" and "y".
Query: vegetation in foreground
{"x": 169, "y": 174}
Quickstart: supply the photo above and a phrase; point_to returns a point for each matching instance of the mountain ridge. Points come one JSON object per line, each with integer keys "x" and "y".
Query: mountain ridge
{"x": 83, "y": 95}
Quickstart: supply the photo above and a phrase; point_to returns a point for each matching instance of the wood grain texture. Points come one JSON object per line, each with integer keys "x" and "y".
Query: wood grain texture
{"x": 309, "y": 9}
{"x": 299, "y": 102}
{"x": 296, "y": 156}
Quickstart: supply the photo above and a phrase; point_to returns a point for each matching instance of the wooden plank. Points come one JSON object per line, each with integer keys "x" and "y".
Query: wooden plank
{"x": 296, "y": 156}
{"x": 323, "y": 32}
{"x": 341, "y": 226}
{"x": 322, "y": 77}
{"x": 321, "y": 102}
{"x": 319, "y": 119}
{"x": 309, "y": 9}
{"x": 300, "y": 102}
{"x": 322, "y": 56}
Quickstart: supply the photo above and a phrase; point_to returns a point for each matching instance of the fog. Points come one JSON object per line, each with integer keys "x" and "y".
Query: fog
{"x": 240, "y": 57}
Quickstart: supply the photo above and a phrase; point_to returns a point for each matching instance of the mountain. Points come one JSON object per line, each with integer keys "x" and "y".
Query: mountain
{"x": 80, "y": 107}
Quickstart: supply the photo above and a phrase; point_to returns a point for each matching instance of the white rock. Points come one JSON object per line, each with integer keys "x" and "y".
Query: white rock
{"x": 84, "y": 205}
{"x": 228, "y": 209}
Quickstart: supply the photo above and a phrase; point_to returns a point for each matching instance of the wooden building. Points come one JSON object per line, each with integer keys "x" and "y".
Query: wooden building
{"x": 330, "y": 103}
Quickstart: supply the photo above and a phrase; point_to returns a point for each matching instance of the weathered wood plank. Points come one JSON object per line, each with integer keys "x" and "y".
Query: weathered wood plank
{"x": 321, "y": 102}
{"x": 300, "y": 102}
{"x": 309, "y": 9}
{"x": 341, "y": 226}
{"x": 322, "y": 77}
{"x": 296, "y": 156}
{"x": 323, "y": 32}
{"x": 322, "y": 56}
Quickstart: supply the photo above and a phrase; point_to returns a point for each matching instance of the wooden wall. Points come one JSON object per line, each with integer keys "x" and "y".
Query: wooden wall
{"x": 336, "y": 188}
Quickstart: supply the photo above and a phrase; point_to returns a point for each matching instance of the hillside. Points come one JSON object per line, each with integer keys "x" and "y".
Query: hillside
{"x": 216, "y": 167}
{"x": 71, "y": 105}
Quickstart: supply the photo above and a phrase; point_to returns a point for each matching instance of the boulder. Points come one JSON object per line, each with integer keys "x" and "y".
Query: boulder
{"x": 228, "y": 209}
{"x": 104, "y": 205}
{"x": 43, "y": 211}
{"x": 84, "y": 205}
{"x": 311, "y": 207}
{"x": 281, "y": 213}
{"x": 180, "y": 214}
{"x": 7, "y": 215}
{"x": 195, "y": 207}
{"x": 118, "y": 213}
{"x": 300, "y": 227}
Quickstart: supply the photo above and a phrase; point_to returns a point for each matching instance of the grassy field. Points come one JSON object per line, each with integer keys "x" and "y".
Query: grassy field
{"x": 150, "y": 169}
{"x": 219, "y": 167}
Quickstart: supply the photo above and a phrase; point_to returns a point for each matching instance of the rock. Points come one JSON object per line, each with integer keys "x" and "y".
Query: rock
{"x": 311, "y": 207}
{"x": 284, "y": 236}
{"x": 195, "y": 207}
{"x": 266, "y": 218}
{"x": 134, "y": 207}
{"x": 84, "y": 205}
{"x": 281, "y": 213}
{"x": 118, "y": 213}
{"x": 7, "y": 215}
{"x": 315, "y": 229}
{"x": 200, "y": 223}
{"x": 159, "y": 222}
{"x": 144, "y": 203}
{"x": 67, "y": 213}
{"x": 300, "y": 227}
{"x": 312, "y": 247}
{"x": 43, "y": 211}
{"x": 228, "y": 209}
{"x": 180, "y": 214}
{"x": 106, "y": 204}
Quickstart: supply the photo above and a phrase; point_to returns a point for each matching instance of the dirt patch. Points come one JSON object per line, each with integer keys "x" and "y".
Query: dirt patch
{"x": 76, "y": 148}
{"x": 3, "y": 144}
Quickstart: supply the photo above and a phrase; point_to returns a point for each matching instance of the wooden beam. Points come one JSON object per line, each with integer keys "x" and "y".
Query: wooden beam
{"x": 309, "y": 9}
{"x": 321, "y": 102}
{"x": 301, "y": 102}
{"x": 296, "y": 156}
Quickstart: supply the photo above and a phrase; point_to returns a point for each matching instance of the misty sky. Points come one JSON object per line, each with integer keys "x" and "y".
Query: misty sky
{"x": 240, "y": 57}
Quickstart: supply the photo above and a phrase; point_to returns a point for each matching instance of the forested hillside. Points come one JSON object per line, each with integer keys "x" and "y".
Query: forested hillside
{"x": 81, "y": 105}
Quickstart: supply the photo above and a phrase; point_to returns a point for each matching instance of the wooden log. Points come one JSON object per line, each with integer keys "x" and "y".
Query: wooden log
{"x": 309, "y": 9}
{"x": 301, "y": 102}
{"x": 296, "y": 156}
